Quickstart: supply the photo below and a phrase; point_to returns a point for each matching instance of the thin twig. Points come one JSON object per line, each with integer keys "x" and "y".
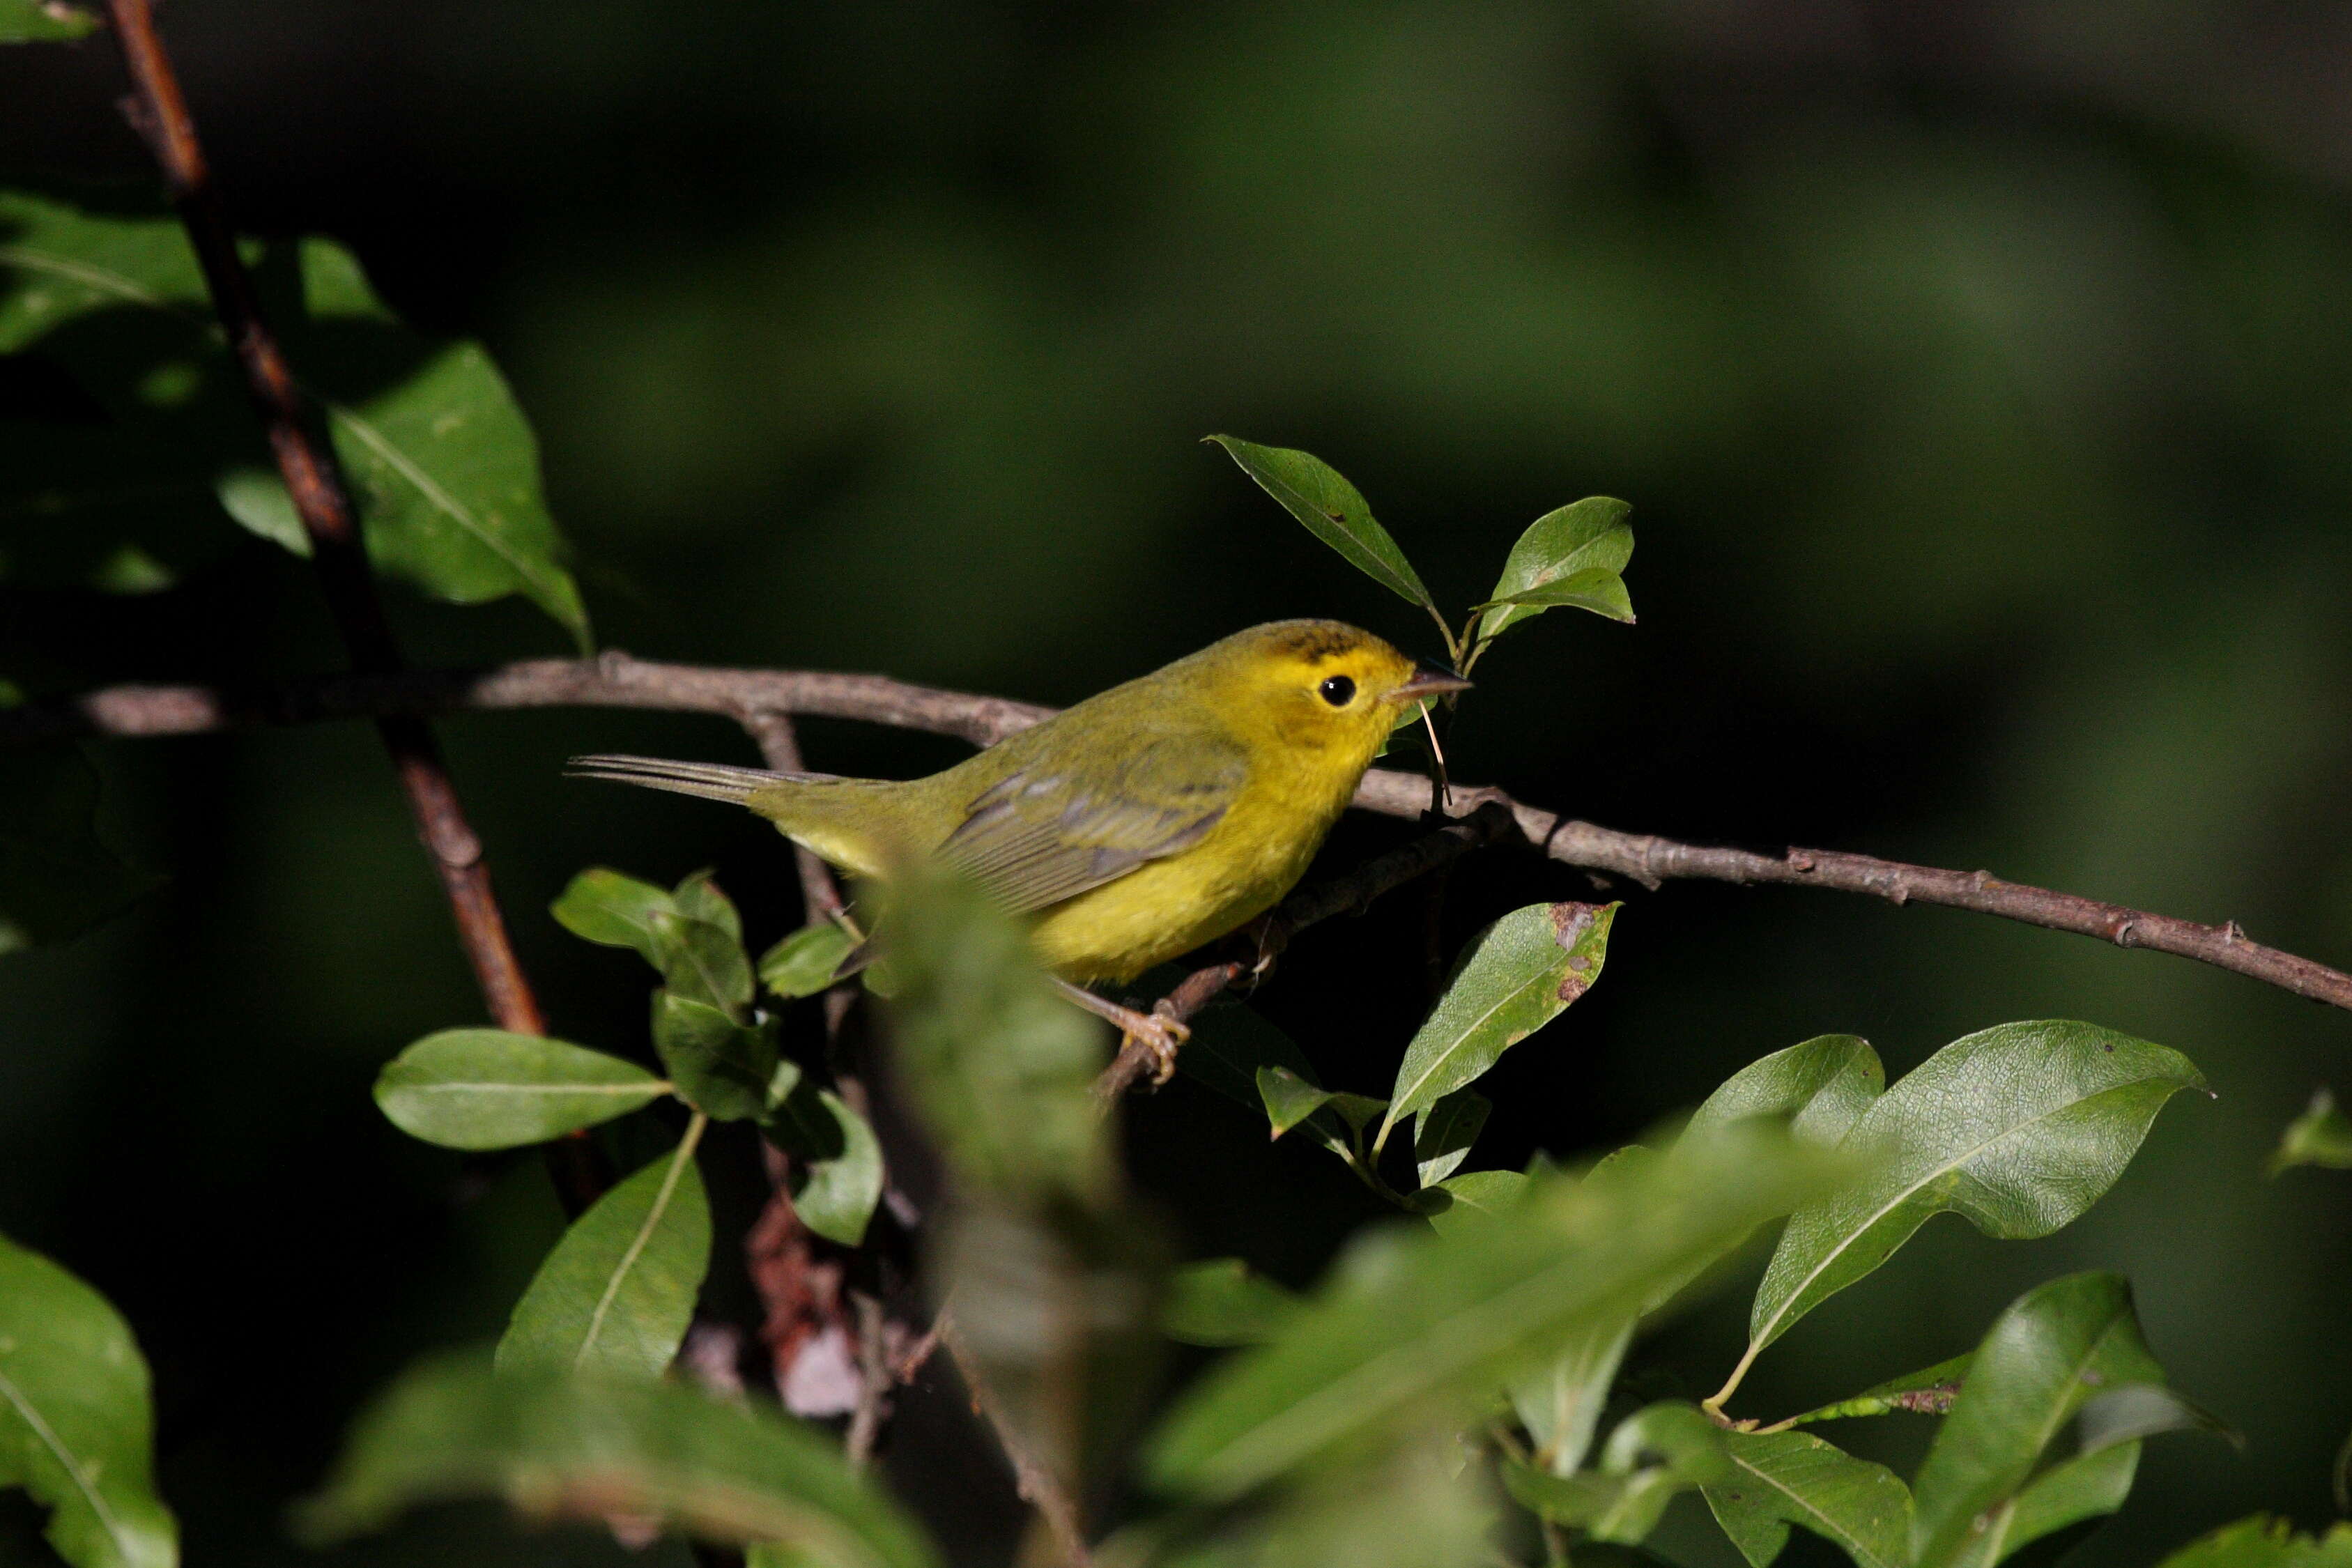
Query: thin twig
{"x": 874, "y": 1380}
{"x": 617, "y": 680}
{"x": 159, "y": 110}
{"x": 1341, "y": 895}
{"x": 1038, "y": 1486}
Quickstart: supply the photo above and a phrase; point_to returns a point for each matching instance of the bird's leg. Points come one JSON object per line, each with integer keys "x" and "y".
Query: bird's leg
{"x": 1156, "y": 1032}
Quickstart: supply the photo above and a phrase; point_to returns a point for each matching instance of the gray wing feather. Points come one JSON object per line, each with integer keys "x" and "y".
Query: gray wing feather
{"x": 1035, "y": 838}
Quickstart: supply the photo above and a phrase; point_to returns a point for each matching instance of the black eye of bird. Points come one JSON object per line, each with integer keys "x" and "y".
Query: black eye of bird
{"x": 1339, "y": 692}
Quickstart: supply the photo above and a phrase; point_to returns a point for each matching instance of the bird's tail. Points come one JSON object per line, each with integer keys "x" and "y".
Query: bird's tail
{"x": 711, "y": 781}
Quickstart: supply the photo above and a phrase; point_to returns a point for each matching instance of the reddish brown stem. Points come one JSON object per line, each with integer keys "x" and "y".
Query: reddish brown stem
{"x": 159, "y": 110}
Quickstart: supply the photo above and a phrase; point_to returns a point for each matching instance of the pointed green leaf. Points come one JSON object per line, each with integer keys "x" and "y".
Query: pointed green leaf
{"x": 1478, "y": 1194}
{"x": 1928, "y": 1392}
{"x": 2320, "y": 1136}
{"x": 1312, "y": 491}
{"x": 837, "y": 1172}
{"x": 616, "y": 1294}
{"x": 806, "y": 962}
{"x": 2020, "y": 1127}
{"x": 603, "y": 906}
{"x": 1000, "y": 1067}
{"x": 719, "y": 1067}
{"x": 1821, "y": 1087}
{"x": 1793, "y": 1477}
{"x": 44, "y": 22}
{"x": 77, "y": 1425}
{"x": 698, "y": 897}
{"x": 1515, "y": 977}
{"x": 1289, "y": 1100}
{"x": 487, "y": 1089}
{"x": 2088, "y": 1486}
{"x": 2264, "y": 1541}
{"x": 431, "y": 436}
{"x": 567, "y": 1446}
{"x": 1223, "y": 1302}
{"x": 702, "y": 959}
{"x": 1603, "y": 593}
{"x": 1585, "y": 537}
{"x": 1442, "y": 1133}
{"x": 2054, "y": 1348}
{"x": 1424, "y": 1327}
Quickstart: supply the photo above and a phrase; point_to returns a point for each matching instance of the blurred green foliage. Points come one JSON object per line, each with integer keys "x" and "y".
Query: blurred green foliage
{"x": 1978, "y": 377}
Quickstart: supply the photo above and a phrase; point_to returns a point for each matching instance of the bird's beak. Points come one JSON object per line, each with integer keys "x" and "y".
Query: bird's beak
{"x": 1429, "y": 681}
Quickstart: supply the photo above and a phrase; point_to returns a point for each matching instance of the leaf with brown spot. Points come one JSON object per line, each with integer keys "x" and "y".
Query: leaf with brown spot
{"x": 1515, "y": 977}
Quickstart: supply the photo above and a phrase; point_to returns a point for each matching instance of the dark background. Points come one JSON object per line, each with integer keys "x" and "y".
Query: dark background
{"x": 1977, "y": 372}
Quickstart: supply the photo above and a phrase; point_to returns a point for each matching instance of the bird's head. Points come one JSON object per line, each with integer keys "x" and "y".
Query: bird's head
{"x": 1322, "y": 685}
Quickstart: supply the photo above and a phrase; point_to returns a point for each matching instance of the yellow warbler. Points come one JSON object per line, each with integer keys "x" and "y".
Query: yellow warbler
{"x": 1136, "y": 826}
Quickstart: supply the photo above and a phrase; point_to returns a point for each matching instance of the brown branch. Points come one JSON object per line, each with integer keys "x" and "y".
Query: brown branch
{"x": 617, "y": 680}
{"x": 1038, "y": 1486}
{"x": 159, "y": 110}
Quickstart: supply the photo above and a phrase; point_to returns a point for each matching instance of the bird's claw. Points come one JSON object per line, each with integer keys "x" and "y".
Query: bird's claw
{"x": 1161, "y": 1035}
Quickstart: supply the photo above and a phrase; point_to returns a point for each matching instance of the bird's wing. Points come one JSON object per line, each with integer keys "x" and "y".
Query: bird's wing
{"x": 1048, "y": 832}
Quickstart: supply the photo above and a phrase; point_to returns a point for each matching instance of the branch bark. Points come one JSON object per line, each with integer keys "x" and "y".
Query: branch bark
{"x": 619, "y": 681}
{"x": 157, "y": 110}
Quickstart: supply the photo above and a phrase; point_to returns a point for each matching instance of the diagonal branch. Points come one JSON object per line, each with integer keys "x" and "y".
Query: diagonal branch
{"x": 159, "y": 110}
{"x": 617, "y": 680}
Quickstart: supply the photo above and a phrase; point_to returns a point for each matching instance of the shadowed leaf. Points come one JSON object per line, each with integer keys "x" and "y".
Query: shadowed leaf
{"x": 1821, "y": 1087}
{"x": 1422, "y": 1328}
{"x": 1442, "y": 1133}
{"x": 806, "y": 962}
{"x": 1793, "y": 1477}
{"x": 566, "y": 1446}
{"x": 1586, "y": 543}
{"x": 837, "y": 1169}
{"x": 725, "y": 1070}
{"x": 602, "y": 905}
{"x": 1223, "y": 1302}
{"x": 2264, "y": 1541}
{"x": 56, "y": 878}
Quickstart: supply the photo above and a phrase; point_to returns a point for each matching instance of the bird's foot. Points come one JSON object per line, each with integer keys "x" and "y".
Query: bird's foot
{"x": 1159, "y": 1032}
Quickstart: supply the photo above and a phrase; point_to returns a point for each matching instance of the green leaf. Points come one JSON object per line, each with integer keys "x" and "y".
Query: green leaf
{"x": 56, "y": 878}
{"x": 443, "y": 458}
{"x": 1793, "y": 1477}
{"x": 2054, "y": 1348}
{"x": 1289, "y": 1100}
{"x": 77, "y": 1425}
{"x": 2264, "y": 1541}
{"x": 719, "y": 1067}
{"x": 698, "y": 897}
{"x": 1312, "y": 491}
{"x": 1928, "y": 1392}
{"x": 567, "y": 1446}
{"x": 43, "y": 21}
{"x": 702, "y": 959}
{"x": 1603, "y": 593}
{"x": 1000, "y": 1067}
{"x": 1575, "y": 541}
{"x": 1560, "y": 1406}
{"x": 603, "y": 906}
{"x": 616, "y": 1294}
{"x": 1477, "y": 1194}
{"x": 1232, "y": 1044}
{"x": 2089, "y": 1486}
{"x": 806, "y": 962}
{"x": 1442, "y": 1133}
{"x": 1820, "y": 1087}
{"x": 2320, "y": 1136}
{"x": 837, "y": 1172}
{"x": 1653, "y": 1454}
{"x": 1223, "y": 1302}
{"x": 1424, "y": 1327}
{"x": 2019, "y": 1128}
{"x": 486, "y": 1089}
{"x": 1516, "y": 976}
{"x": 1416, "y": 1506}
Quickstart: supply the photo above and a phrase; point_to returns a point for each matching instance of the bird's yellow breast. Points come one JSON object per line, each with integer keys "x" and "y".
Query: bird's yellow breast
{"x": 1255, "y": 856}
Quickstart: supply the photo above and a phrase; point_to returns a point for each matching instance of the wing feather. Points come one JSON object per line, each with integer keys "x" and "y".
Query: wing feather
{"x": 1038, "y": 836}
